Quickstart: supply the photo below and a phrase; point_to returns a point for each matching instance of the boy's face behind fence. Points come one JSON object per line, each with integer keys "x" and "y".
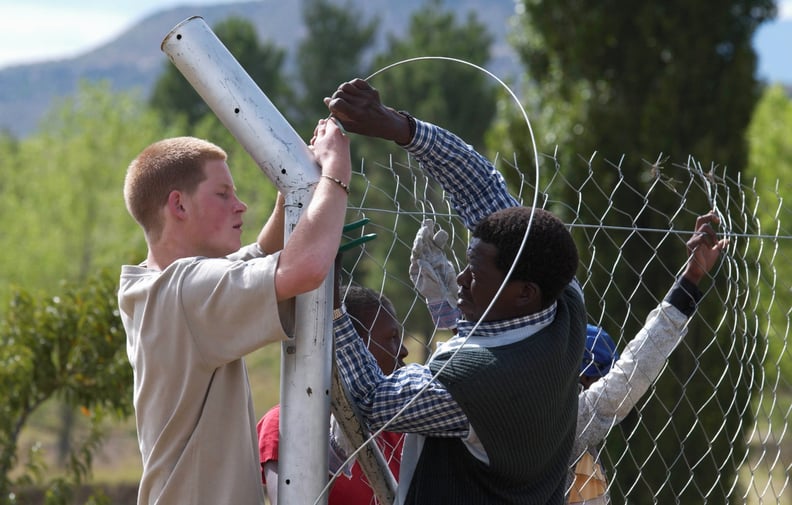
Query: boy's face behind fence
{"x": 384, "y": 339}
{"x": 214, "y": 213}
{"x": 480, "y": 281}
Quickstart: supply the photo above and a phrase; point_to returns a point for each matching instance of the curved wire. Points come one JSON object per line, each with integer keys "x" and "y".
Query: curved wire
{"x": 533, "y": 146}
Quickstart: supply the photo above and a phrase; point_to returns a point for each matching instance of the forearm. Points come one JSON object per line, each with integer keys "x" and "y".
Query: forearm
{"x": 309, "y": 253}
{"x": 270, "y": 237}
{"x": 475, "y": 187}
{"x": 611, "y": 398}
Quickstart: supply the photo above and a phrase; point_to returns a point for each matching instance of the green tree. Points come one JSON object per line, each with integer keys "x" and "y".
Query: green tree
{"x": 63, "y": 185}
{"x": 174, "y": 97}
{"x": 647, "y": 83}
{"x": 332, "y": 52}
{"x": 432, "y": 89}
{"x": 69, "y": 347}
{"x": 770, "y": 162}
{"x": 642, "y": 88}
{"x": 71, "y": 220}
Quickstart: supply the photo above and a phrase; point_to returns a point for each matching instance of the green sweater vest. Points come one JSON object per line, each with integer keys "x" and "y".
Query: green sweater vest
{"x": 521, "y": 400}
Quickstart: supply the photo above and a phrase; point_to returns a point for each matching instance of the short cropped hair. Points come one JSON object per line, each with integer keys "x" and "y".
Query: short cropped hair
{"x": 164, "y": 166}
{"x": 360, "y": 300}
{"x": 549, "y": 258}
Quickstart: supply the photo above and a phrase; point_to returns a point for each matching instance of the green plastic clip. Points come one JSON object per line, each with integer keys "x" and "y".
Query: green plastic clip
{"x": 358, "y": 240}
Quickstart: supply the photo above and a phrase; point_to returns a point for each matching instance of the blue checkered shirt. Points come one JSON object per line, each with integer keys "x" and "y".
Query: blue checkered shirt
{"x": 474, "y": 186}
{"x": 431, "y": 410}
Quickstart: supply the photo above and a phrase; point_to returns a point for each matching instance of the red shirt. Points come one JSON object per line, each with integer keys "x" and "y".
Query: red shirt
{"x": 345, "y": 491}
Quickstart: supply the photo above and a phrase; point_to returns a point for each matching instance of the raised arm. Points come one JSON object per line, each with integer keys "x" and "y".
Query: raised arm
{"x": 359, "y": 107}
{"x": 475, "y": 188}
{"x": 611, "y": 398}
{"x": 308, "y": 255}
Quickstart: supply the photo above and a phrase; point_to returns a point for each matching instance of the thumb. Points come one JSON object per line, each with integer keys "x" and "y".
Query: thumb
{"x": 440, "y": 238}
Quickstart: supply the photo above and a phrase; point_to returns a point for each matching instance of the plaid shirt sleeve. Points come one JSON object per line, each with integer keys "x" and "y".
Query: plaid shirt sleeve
{"x": 474, "y": 186}
{"x": 431, "y": 410}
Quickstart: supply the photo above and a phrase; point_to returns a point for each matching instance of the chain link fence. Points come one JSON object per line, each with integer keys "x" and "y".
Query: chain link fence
{"x": 713, "y": 428}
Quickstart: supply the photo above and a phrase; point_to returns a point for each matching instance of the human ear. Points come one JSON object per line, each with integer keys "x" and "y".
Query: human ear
{"x": 176, "y": 204}
{"x": 529, "y": 296}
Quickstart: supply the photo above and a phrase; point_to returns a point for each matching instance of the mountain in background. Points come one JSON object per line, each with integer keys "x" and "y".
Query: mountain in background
{"x": 134, "y": 61}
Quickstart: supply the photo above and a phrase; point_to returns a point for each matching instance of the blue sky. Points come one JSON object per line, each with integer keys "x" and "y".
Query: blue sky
{"x": 37, "y": 30}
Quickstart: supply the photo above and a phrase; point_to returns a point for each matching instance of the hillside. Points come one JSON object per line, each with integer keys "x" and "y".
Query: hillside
{"x": 133, "y": 61}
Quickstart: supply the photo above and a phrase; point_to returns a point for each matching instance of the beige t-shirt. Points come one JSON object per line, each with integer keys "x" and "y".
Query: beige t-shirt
{"x": 188, "y": 328}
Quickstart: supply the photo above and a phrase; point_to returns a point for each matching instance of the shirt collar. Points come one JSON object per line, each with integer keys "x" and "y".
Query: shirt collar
{"x": 493, "y": 328}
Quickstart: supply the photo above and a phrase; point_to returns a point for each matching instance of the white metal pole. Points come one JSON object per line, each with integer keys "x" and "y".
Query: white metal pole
{"x": 284, "y": 157}
{"x": 240, "y": 104}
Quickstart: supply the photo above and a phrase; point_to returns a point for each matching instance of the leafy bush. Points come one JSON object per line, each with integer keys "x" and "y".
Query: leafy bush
{"x": 71, "y": 347}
